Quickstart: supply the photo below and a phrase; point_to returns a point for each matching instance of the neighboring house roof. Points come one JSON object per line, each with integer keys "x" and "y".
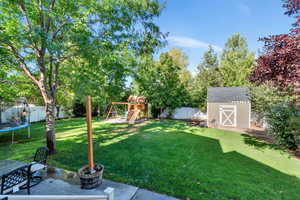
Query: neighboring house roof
{"x": 227, "y": 94}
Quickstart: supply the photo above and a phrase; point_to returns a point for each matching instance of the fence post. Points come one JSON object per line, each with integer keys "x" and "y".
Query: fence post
{"x": 110, "y": 193}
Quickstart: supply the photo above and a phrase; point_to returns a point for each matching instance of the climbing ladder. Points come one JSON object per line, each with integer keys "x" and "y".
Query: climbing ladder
{"x": 112, "y": 112}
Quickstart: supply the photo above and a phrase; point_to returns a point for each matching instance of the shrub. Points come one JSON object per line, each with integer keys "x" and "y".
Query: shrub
{"x": 264, "y": 97}
{"x": 284, "y": 124}
{"x": 78, "y": 109}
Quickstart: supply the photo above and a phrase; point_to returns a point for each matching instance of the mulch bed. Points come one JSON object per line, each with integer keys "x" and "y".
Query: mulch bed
{"x": 198, "y": 123}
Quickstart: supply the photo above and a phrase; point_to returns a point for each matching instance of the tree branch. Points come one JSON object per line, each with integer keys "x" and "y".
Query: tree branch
{"x": 52, "y": 4}
{"x": 58, "y": 30}
{"x": 48, "y": 22}
{"x": 23, "y": 10}
{"x": 29, "y": 23}
{"x": 42, "y": 22}
{"x": 23, "y": 65}
{"x": 14, "y": 82}
{"x": 29, "y": 74}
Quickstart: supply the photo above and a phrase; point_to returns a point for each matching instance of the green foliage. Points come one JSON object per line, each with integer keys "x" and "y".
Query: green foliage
{"x": 264, "y": 97}
{"x": 179, "y": 57}
{"x": 160, "y": 83}
{"x": 7, "y": 93}
{"x": 43, "y": 38}
{"x": 169, "y": 83}
{"x": 208, "y": 76}
{"x": 104, "y": 80}
{"x": 93, "y": 35}
{"x": 181, "y": 60}
{"x": 210, "y": 60}
{"x": 79, "y": 109}
{"x": 171, "y": 158}
{"x": 284, "y": 124}
{"x": 236, "y": 62}
{"x": 205, "y": 79}
{"x": 233, "y": 69}
{"x": 14, "y": 84}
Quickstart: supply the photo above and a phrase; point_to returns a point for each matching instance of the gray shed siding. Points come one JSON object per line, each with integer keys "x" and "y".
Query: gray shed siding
{"x": 243, "y": 113}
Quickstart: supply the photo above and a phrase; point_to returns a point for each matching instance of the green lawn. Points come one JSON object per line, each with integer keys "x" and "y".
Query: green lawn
{"x": 172, "y": 158}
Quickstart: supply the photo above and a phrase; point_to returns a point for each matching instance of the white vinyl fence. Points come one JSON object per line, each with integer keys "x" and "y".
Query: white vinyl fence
{"x": 185, "y": 113}
{"x": 37, "y": 113}
{"x": 259, "y": 120}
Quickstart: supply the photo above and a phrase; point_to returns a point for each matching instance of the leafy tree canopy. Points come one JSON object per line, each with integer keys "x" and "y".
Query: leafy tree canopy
{"x": 208, "y": 75}
{"x": 181, "y": 60}
{"x": 41, "y": 38}
{"x": 280, "y": 62}
{"x": 236, "y": 62}
{"x": 160, "y": 82}
{"x": 210, "y": 60}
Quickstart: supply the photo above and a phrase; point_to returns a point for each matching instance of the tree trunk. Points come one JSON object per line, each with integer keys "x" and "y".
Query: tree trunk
{"x": 57, "y": 112}
{"x": 50, "y": 126}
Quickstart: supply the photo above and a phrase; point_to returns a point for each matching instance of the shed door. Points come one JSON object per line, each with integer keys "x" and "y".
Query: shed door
{"x": 227, "y": 115}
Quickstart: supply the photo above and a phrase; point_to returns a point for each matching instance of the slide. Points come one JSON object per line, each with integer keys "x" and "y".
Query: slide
{"x": 134, "y": 116}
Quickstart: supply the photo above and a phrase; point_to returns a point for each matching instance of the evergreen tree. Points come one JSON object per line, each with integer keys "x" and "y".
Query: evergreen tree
{"x": 208, "y": 76}
{"x": 210, "y": 60}
{"x": 236, "y": 62}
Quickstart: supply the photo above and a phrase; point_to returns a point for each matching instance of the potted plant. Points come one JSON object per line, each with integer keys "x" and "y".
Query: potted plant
{"x": 91, "y": 174}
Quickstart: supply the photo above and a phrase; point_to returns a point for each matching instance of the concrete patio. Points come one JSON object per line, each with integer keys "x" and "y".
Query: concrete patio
{"x": 62, "y": 182}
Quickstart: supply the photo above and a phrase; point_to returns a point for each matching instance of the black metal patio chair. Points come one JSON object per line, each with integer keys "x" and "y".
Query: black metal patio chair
{"x": 17, "y": 179}
{"x": 41, "y": 155}
{"x": 39, "y": 162}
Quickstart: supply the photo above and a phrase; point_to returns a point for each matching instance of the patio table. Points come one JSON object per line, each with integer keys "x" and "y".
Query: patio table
{"x": 7, "y": 166}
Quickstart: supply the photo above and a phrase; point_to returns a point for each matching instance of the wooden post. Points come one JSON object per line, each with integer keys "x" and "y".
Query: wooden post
{"x": 109, "y": 111}
{"x": 89, "y": 133}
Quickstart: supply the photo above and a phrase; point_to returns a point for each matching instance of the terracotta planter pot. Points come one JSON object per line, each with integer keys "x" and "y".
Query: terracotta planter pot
{"x": 88, "y": 180}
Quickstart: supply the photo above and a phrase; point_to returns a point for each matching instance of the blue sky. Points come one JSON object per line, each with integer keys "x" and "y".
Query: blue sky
{"x": 194, "y": 24}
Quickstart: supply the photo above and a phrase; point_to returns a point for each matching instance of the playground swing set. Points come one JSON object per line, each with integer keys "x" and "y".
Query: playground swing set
{"x": 133, "y": 110}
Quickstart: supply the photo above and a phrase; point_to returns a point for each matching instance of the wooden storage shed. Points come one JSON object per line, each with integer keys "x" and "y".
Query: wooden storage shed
{"x": 228, "y": 107}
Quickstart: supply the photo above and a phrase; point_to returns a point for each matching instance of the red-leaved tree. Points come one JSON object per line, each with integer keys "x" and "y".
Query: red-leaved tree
{"x": 280, "y": 63}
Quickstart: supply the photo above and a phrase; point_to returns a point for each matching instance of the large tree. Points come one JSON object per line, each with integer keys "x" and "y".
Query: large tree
{"x": 181, "y": 60}
{"x": 280, "y": 62}
{"x": 210, "y": 60}
{"x": 208, "y": 75}
{"x": 39, "y": 37}
{"x": 159, "y": 81}
{"x": 236, "y": 62}
{"x": 106, "y": 84}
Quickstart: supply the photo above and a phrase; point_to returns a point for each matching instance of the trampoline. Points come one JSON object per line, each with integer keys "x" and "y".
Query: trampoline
{"x": 18, "y": 117}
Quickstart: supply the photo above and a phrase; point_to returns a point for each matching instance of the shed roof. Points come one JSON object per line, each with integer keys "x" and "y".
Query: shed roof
{"x": 227, "y": 94}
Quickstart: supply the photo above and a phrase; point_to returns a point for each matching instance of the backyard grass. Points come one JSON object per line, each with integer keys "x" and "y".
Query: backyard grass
{"x": 172, "y": 158}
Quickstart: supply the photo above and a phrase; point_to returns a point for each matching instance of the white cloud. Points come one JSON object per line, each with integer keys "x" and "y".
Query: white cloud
{"x": 186, "y": 42}
{"x": 244, "y": 9}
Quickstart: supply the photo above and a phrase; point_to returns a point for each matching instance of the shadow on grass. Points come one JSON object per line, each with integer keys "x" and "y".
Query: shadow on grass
{"x": 165, "y": 157}
{"x": 37, "y": 131}
{"x": 184, "y": 165}
{"x": 259, "y": 143}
